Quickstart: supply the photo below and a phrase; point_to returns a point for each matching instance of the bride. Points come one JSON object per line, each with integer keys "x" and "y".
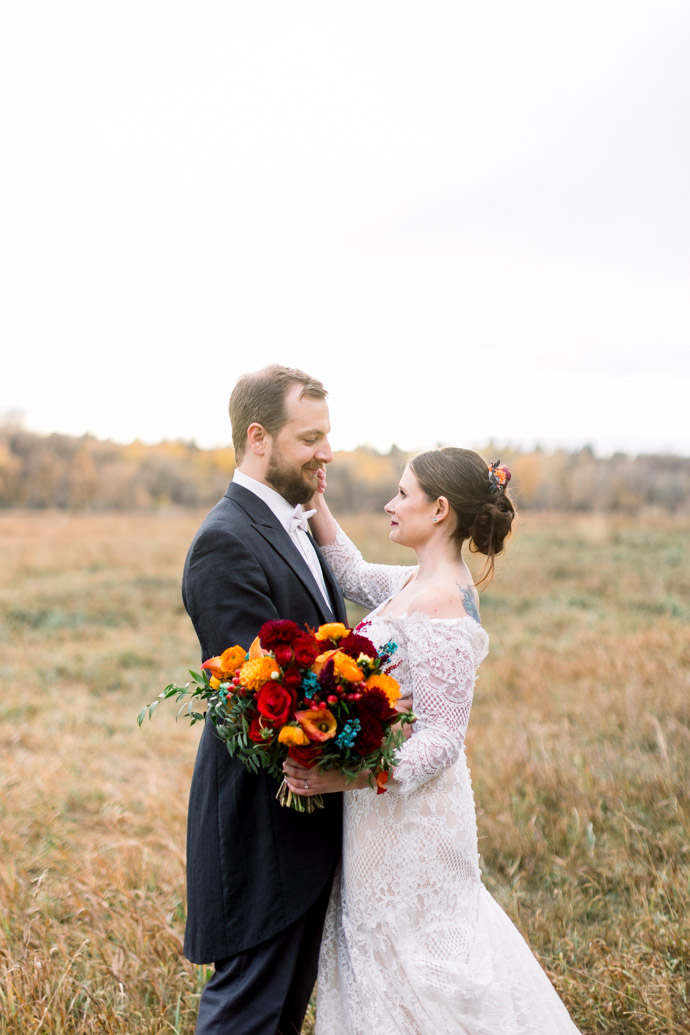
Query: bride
{"x": 413, "y": 942}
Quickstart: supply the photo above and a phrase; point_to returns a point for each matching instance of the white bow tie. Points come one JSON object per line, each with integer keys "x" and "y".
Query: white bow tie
{"x": 299, "y": 518}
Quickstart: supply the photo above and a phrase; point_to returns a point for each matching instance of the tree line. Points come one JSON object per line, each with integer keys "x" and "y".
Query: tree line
{"x": 78, "y": 473}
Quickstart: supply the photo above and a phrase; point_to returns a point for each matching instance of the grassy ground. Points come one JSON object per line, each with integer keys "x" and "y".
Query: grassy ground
{"x": 579, "y": 745}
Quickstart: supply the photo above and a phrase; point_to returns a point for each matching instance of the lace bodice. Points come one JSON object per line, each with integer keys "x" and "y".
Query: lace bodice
{"x": 437, "y": 661}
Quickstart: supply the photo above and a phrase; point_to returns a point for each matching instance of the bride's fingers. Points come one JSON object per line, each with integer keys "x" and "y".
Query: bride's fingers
{"x": 297, "y": 787}
{"x": 295, "y": 770}
{"x": 303, "y": 785}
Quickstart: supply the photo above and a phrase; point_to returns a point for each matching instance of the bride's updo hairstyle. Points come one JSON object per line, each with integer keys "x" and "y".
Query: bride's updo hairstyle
{"x": 481, "y": 505}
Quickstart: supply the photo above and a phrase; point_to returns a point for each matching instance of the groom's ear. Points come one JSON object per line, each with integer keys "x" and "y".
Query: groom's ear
{"x": 257, "y": 439}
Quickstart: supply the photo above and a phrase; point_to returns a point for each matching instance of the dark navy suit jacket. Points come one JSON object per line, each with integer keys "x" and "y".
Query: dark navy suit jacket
{"x": 253, "y": 866}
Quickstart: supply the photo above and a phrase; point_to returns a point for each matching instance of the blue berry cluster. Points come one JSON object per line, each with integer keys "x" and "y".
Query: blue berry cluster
{"x": 310, "y": 683}
{"x": 387, "y": 650}
{"x": 348, "y": 735}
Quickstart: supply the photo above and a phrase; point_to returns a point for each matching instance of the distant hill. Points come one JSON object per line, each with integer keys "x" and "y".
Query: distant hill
{"x": 41, "y": 471}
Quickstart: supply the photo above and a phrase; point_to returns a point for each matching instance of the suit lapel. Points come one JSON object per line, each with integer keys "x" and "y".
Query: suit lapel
{"x": 268, "y": 526}
{"x": 332, "y": 586}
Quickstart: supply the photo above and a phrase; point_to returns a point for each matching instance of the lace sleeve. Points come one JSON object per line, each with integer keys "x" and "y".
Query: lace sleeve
{"x": 366, "y": 584}
{"x": 443, "y": 657}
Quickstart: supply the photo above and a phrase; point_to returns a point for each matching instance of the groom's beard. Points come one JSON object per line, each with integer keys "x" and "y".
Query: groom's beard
{"x": 295, "y": 484}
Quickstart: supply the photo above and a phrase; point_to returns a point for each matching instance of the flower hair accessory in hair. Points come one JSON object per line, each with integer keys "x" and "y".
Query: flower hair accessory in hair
{"x": 498, "y": 476}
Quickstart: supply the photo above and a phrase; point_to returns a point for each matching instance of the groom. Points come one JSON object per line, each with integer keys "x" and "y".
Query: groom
{"x": 259, "y": 874}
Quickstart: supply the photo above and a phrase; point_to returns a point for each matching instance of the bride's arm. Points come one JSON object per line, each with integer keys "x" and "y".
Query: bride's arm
{"x": 322, "y": 524}
{"x": 365, "y": 583}
{"x": 442, "y": 662}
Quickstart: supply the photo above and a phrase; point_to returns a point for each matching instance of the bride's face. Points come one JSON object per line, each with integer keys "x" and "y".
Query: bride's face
{"x": 411, "y": 513}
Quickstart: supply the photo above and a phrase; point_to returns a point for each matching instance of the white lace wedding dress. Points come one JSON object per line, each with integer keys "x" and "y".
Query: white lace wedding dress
{"x": 413, "y": 942}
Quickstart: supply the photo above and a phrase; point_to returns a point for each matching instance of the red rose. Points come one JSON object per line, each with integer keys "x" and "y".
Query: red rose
{"x": 283, "y": 654}
{"x": 307, "y": 650}
{"x": 292, "y": 678}
{"x": 256, "y": 730}
{"x": 271, "y": 634}
{"x": 306, "y": 756}
{"x": 275, "y": 703}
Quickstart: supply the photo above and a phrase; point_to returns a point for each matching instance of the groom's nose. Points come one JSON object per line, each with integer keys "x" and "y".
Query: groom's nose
{"x": 324, "y": 452}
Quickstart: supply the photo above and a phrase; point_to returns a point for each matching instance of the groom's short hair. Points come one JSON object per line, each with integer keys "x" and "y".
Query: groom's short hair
{"x": 259, "y": 398}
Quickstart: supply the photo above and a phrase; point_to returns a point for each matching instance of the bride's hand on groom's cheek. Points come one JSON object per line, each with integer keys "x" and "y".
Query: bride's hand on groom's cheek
{"x": 317, "y": 501}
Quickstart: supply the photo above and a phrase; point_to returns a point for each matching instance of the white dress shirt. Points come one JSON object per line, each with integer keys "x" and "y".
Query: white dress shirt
{"x": 284, "y": 511}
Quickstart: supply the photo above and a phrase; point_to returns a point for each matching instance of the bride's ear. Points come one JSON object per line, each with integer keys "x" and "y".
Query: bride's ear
{"x": 442, "y": 509}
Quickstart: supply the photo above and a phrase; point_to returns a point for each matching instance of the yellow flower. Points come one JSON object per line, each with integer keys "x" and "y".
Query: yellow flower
{"x": 292, "y": 735}
{"x": 332, "y": 631}
{"x": 390, "y": 686}
{"x": 255, "y": 673}
{"x": 214, "y": 683}
{"x": 319, "y": 724}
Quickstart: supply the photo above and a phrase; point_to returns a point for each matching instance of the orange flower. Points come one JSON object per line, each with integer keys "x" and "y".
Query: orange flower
{"x": 347, "y": 667}
{"x": 293, "y": 735}
{"x": 319, "y": 724}
{"x": 231, "y": 659}
{"x": 214, "y": 667}
{"x": 332, "y": 631}
{"x": 225, "y": 664}
{"x": 255, "y": 673}
{"x": 256, "y": 650}
{"x": 322, "y": 660}
{"x": 390, "y": 686}
{"x": 343, "y": 666}
{"x": 381, "y": 776}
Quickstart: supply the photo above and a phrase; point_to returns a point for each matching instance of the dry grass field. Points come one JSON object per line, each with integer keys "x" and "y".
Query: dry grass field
{"x": 579, "y": 744}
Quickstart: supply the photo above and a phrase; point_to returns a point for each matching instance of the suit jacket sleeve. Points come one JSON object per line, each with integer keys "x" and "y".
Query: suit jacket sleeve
{"x": 227, "y": 601}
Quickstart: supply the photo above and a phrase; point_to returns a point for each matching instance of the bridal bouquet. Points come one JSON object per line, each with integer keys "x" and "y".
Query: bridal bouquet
{"x": 325, "y": 698}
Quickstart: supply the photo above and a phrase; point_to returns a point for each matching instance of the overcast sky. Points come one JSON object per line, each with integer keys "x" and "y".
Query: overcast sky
{"x": 472, "y": 221}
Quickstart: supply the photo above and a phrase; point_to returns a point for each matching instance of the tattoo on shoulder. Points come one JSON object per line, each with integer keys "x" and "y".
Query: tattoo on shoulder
{"x": 469, "y": 603}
